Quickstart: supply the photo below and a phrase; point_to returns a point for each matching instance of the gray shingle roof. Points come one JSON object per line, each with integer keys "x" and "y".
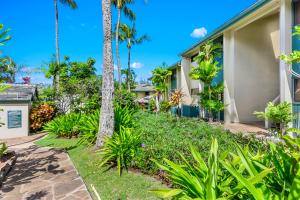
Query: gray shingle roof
{"x": 144, "y": 88}
{"x": 18, "y": 92}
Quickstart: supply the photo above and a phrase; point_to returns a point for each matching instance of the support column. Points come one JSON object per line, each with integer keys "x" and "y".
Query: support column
{"x": 286, "y": 48}
{"x": 230, "y": 112}
{"x": 185, "y": 80}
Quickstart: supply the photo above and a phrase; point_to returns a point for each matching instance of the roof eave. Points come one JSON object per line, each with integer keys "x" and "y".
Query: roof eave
{"x": 217, "y": 32}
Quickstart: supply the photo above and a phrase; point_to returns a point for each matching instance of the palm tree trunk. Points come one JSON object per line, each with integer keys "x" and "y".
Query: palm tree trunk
{"x": 128, "y": 73}
{"x": 106, "y": 127}
{"x": 56, "y": 81}
{"x": 117, "y": 49}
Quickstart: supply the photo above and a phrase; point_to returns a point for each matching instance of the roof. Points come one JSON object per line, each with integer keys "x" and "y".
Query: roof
{"x": 18, "y": 92}
{"x": 233, "y": 20}
{"x": 174, "y": 66}
{"x": 144, "y": 88}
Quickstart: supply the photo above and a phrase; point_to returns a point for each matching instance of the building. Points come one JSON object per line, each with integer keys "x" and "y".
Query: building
{"x": 15, "y": 104}
{"x": 252, "y": 72}
{"x": 144, "y": 90}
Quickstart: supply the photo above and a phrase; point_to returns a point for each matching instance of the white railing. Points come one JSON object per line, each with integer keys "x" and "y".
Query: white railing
{"x": 275, "y": 101}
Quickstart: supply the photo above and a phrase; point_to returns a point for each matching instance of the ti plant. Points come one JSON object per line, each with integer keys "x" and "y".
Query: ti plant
{"x": 3, "y": 149}
{"x": 176, "y": 99}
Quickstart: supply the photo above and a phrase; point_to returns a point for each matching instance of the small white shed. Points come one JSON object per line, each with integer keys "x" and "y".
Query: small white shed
{"x": 15, "y": 105}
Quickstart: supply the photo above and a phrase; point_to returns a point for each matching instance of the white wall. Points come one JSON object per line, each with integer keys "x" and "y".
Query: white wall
{"x": 251, "y": 69}
{"x": 14, "y": 132}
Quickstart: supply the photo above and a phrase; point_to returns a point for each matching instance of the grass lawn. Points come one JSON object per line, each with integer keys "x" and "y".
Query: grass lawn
{"x": 108, "y": 184}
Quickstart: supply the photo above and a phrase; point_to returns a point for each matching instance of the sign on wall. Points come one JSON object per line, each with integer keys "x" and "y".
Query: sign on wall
{"x": 14, "y": 119}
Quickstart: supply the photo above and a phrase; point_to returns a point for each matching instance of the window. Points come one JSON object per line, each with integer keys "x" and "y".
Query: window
{"x": 195, "y": 91}
{"x": 297, "y": 90}
{"x": 147, "y": 94}
{"x": 297, "y": 12}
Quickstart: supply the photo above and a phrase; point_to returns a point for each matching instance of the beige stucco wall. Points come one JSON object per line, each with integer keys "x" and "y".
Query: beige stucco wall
{"x": 251, "y": 69}
{"x": 140, "y": 95}
{"x": 14, "y": 132}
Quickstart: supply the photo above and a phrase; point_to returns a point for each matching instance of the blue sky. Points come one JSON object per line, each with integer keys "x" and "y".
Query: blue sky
{"x": 172, "y": 25}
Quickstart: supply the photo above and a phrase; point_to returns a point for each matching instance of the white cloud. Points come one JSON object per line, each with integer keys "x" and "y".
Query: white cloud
{"x": 199, "y": 32}
{"x": 137, "y": 65}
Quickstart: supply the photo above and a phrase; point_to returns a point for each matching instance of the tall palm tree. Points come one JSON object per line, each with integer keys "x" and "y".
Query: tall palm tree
{"x": 129, "y": 34}
{"x": 106, "y": 127}
{"x": 121, "y": 5}
{"x": 72, "y": 4}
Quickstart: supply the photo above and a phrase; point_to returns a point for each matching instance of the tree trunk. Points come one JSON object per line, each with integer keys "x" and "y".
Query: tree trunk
{"x": 106, "y": 127}
{"x": 56, "y": 81}
{"x": 117, "y": 49}
{"x": 129, "y": 72}
{"x": 210, "y": 115}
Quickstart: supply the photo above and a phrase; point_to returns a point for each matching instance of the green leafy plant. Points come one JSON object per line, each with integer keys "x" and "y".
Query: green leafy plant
{"x": 89, "y": 127}
{"x": 64, "y": 126}
{"x": 194, "y": 180}
{"x": 281, "y": 115}
{"x": 120, "y": 149}
{"x": 3, "y": 149}
{"x": 165, "y": 106}
{"x": 4, "y": 37}
{"x": 123, "y": 117}
{"x": 206, "y": 70}
{"x": 123, "y": 98}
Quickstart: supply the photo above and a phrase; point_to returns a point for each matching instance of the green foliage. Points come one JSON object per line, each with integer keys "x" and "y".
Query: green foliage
{"x": 124, "y": 98}
{"x": 293, "y": 57}
{"x": 165, "y": 106}
{"x": 132, "y": 74}
{"x": 4, "y": 37}
{"x": 163, "y": 134}
{"x": 89, "y": 127}
{"x": 8, "y": 69}
{"x": 206, "y": 70}
{"x": 160, "y": 76}
{"x": 120, "y": 149}
{"x": 152, "y": 105}
{"x": 79, "y": 86}
{"x": 123, "y": 117}
{"x": 280, "y": 114}
{"x": 195, "y": 180}
{"x": 64, "y": 126}
{"x": 3, "y": 149}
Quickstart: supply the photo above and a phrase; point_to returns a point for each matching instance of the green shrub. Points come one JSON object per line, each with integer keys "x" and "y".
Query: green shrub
{"x": 280, "y": 114}
{"x": 64, "y": 126}
{"x": 152, "y": 105}
{"x": 89, "y": 127}
{"x": 120, "y": 149}
{"x": 124, "y": 98}
{"x": 162, "y": 134}
{"x": 165, "y": 106}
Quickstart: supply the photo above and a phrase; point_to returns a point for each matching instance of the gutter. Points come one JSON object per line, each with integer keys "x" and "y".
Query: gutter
{"x": 227, "y": 24}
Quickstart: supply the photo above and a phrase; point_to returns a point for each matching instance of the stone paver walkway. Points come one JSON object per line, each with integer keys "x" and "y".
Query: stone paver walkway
{"x": 43, "y": 174}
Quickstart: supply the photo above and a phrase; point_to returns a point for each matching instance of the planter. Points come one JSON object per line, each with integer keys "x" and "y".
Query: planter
{"x": 6, "y": 164}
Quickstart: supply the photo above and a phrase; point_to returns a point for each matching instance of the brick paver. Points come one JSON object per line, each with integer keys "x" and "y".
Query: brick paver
{"x": 43, "y": 173}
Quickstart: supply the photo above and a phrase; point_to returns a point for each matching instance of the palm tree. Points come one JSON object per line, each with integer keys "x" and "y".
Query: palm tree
{"x": 121, "y": 5}
{"x": 159, "y": 79}
{"x": 106, "y": 125}
{"x": 72, "y": 4}
{"x": 129, "y": 34}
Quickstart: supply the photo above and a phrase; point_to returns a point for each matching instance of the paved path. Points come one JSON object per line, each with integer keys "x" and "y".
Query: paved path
{"x": 43, "y": 173}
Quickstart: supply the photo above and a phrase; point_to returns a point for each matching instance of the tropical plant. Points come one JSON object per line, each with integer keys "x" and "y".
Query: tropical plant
{"x": 125, "y": 99}
{"x": 3, "y": 149}
{"x": 164, "y": 106}
{"x": 64, "y": 126}
{"x": 72, "y": 4}
{"x": 132, "y": 76}
{"x": 106, "y": 128}
{"x": 176, "y": 99}
{"x": 160, "y": 76}
{"x": 193, "y": 181}
{"x": 281, "y": 115}
{"x": 121, "y": 5}
{"x": 89, "y": 128}
{"x": 41, "y": 115}
{"x": 123, "y": 117}
{"x": 129, "y": 35}
{"x": 8, "y": 70}
{"x": 206, "y": 70}
{"x": 4, "y": 37}
{"x": 120, "y": 149}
